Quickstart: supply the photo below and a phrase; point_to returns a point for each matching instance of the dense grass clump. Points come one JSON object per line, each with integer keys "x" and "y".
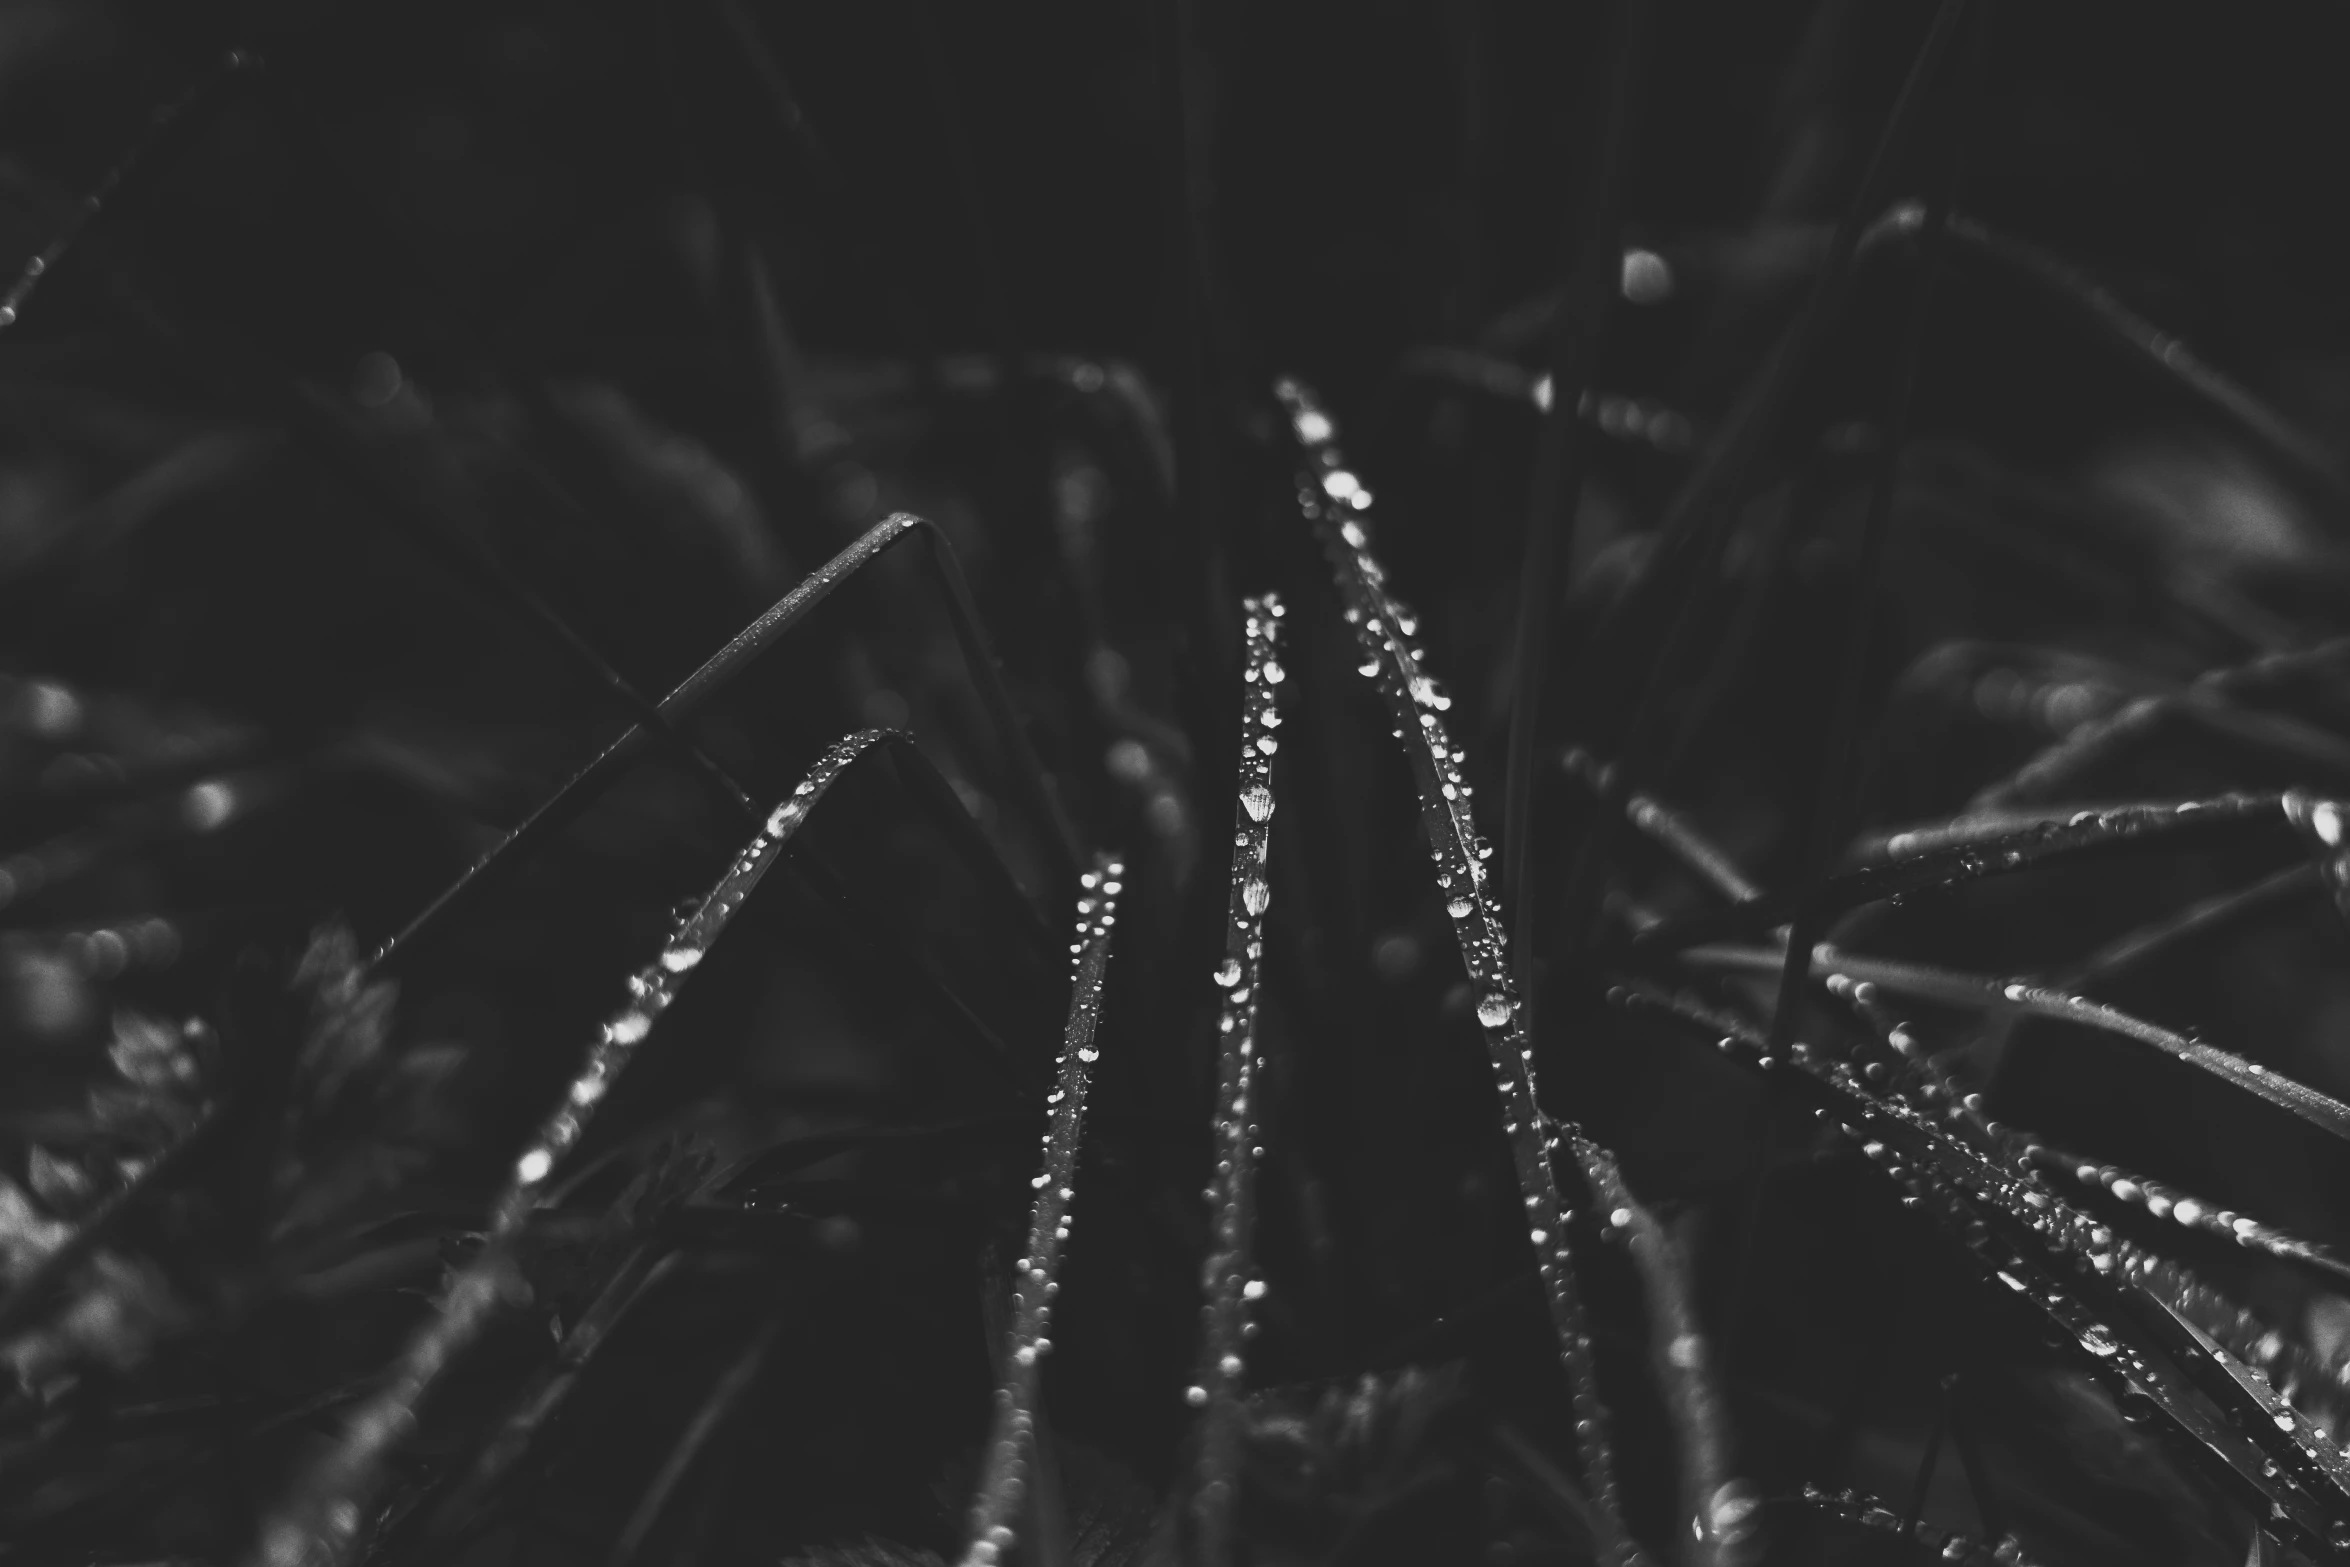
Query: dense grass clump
{"x": 628, "y": 635}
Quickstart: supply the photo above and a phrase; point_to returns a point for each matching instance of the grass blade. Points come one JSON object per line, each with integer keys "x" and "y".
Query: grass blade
{"x": 1964, "y": 854}
{"x": 726, "y": 1395}
{"x": 174, "y": 118}
{"x": 1668, "y": 828}
{"x": 1228, "y": 1277}
{"x": 1335, "y": 502}
{"x": 586, "y": 785}
{"x": 1557, "y": 494}
{"x": 2058, "y": 765}
{"x": 1698, "y": 518}
{"x": 1874, "y": 1515}
{"x": 1716, "y": 1506}
{"x": 638, "y": 1277}
{"x": 1954, "y": 988}
{"x": 1010, "y": 1450}
{"x": 1840, "y": 769}
{"x": 319, "y": 1522}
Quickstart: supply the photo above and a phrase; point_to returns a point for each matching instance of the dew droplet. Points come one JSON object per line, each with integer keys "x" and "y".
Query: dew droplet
{"x": 1228, "y": 973}
{"x": 1459, "y": 908}
{"x": 1257, "y": 800}
{"x": 1494, "y": 1010}
{"x": 1255, "y": 894}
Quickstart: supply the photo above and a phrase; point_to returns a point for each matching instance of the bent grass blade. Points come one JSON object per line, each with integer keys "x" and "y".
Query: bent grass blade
{"x": 1335, "y": 502}
{"x": 590, "y": 782}
{"x": 1011, "y": 1445}
{"x": 319, "y": 1522}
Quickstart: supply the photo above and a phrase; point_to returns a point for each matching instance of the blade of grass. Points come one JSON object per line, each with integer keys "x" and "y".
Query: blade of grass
{"x": 2058, "y": 765}
{"x": 319, "y": 1519}
{"x": 2206, "y": 1312}
{"x": 1336, "y": 504}
{"x": 1931, "y": 1089}
{"x": 1716, "y": 1506}
{"x": 1841, "y": 766}
{"x": 1010, "y": 1449}
{"x": 726, "y": 1395}
{"x": 1971, "y": 856}
{"x": 2159, "y": 352}
{"x": 1576, "y": 335}
{"x": 173, "y": 120}
{"x": 1198, "y": 339}
{"x": 510, "y": 1445}
{"x": 760, "y": 59}
{"x": 584, "y": 786}
{"x": 1872, "y": 1514}
{"x": 1700, "y": 513}
{"x": 1667, "y": 827}
{"x": 2164, "y": 1201}
{"x": 1228, "y": 1277}
{"x": 1984, "y": 992}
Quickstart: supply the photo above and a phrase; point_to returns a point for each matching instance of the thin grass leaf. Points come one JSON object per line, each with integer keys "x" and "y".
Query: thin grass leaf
{"x": 586, "y": 785}
{"x": 1872, "y": 1514}
{"x": 643, "y": 1272}
{"x": 1717, "y": 1507}
{"x": 1698, "y": 519}
{"x": 1932, "y": 1089}
{"x": 2164, "y": 1201}
{"x": 1011, "y": 1446}
{"x": 1229, "y": 1275}
{"x": 1965, "y": 854}
{"x": 1983, "y": 992}
{"x": 1335, "y": 503}
{"x": 1840, "y": 765}
{"x": 2295, "y": 1375}
{"x": 2159, "y": 352}
{"x": 2057, "y": 766}
{"x": 726, "y": 1395}
{"x": 1667, "y": 827}
{"x": 1641, "y": 422}
{"x": 319, "y": 1522}
{"x": 1557, "y": 489}
{"x": 173, "y": 119}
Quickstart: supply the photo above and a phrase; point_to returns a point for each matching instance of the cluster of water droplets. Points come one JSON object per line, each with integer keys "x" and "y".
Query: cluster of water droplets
{"x": 1978, "y": 843}
{"x": 2289, "y": 1457}
{"x": 2005, "y": 1168}
{"x": 2322, "y": 823}
{"x": 320, "y": 1525}
{"x": 1868, "y": 1512}
{"x": 1004, "y": 1467}
{"x": 1334, "y": 499}
{"x": 1227, "y": 1278}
